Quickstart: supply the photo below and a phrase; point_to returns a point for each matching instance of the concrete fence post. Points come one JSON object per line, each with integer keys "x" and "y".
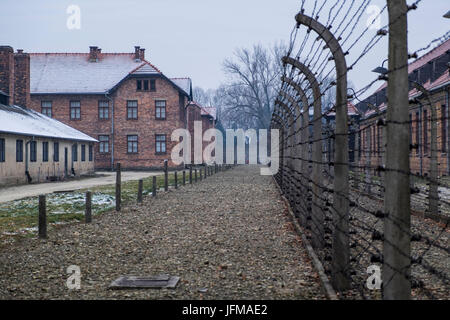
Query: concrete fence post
{"x": 341, "y": 244}
{"x": 140, "y": 190}
{"x": 42, "y": 225}
{"x": 118, "y": 187}
{"x": 88, "y": 208}
{"x": 184, "y": 177}
{"x": 166, "y": 176}
{"x": 397, "y": 222}
{"x": 154, "y": 186}
{"x": 318, "y": 217}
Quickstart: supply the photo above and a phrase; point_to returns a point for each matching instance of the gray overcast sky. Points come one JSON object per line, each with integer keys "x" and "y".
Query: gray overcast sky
{"x": 187, "y": 38}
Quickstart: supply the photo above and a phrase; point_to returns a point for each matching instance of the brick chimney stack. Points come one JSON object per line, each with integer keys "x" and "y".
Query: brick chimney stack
{"x": 7, "y": 71}
{"x": 94, "y": 53}
{"x": 142, "y": 54}
{"x": 21, "y": 79}
{"x": 137, "y": 54}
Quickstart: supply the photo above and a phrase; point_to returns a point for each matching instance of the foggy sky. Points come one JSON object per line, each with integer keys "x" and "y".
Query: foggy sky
{"x": 186, "y": 38}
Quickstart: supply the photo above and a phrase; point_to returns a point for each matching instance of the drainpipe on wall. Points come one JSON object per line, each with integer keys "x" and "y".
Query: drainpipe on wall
{"x": 112, "y": 130}
{"x": 73, "y": 169}
{"x": 27, "y": 173}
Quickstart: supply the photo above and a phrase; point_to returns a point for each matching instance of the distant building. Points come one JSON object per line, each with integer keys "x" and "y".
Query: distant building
{"x": 432, "y": 72}
{"x": 121, "y": 99}
{"x": 208, "y": 115}
{"x": 34, "y": 147}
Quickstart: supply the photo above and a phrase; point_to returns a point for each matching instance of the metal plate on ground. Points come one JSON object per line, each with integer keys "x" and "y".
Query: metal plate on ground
{"x": 145, "y": 282}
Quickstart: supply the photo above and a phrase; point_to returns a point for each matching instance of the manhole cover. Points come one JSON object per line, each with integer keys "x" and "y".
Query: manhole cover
{"x": 144, "y": 282}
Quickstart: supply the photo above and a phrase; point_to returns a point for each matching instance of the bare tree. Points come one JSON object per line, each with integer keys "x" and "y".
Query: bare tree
{"x": 249, "y": 95}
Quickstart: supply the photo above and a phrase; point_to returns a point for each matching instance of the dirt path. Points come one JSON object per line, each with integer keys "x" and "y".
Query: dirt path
{"x": 31, "y": 190}
{"x": 227, "y": 237}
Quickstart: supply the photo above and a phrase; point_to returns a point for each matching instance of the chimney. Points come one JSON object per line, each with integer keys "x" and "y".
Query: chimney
{"x": 7, "y": 71}
{"x": 142, "y": 54}
{"x": 93, "y": 54}
{"x": 21, "y": 79}
{"x": 137, "y": 55}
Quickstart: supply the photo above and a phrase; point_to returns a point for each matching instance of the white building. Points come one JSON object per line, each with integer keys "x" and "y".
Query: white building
{"x": 36, "y": 148}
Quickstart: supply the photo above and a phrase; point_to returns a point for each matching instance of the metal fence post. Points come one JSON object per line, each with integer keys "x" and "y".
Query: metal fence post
{"x": 397, "y": 222}
{"x": 184, "y": 177}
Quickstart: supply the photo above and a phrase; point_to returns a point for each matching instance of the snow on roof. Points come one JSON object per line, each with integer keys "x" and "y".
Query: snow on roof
{"x": 22, "y": 121}
{"x": 74, "y": 73}
{"x": 423, "y": 60}
{"x": 184, "y": 83}
{"x": 209, "y": 111}
{"x": 351, "y": 110}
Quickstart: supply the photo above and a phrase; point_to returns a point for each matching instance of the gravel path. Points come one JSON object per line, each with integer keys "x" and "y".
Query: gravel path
{"x": 102, "y": 178}
{"x": 227, "y": 237}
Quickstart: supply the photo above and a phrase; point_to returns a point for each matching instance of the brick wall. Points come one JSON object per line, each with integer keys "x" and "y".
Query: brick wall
{"x": 146, "y": 126}
{"x": 193, "y": 114}
{"x": 420, "y": 138}
{"x": 21, "y": 79}
{"x": 15, "y": 75}
{"x": 7, "y": 71}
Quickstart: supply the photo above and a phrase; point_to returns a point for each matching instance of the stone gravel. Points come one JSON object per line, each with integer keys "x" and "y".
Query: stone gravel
{"x": 227, "y": 237}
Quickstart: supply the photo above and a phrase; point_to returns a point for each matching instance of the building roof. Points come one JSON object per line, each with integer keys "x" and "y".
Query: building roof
{"x": 58, "y": 73}
{"x": 184, "y": 83}
{"x": 351, "y": 111}
{"x": 27, "y": 122}
{"x": 423, "y": 60}
{"x": 209, "y": 111}
{"x": 194, "y": 104}
{"x": 443, "y": 79}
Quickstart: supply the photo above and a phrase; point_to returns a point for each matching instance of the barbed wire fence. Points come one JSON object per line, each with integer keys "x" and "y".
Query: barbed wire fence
{"x": 369, "y": 192}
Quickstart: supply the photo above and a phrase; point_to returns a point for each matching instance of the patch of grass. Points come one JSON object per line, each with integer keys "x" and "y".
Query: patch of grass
{"x": 19, "y": 217}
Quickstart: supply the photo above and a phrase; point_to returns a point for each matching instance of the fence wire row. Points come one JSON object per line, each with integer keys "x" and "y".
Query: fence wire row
{"x": 370, "y": 189}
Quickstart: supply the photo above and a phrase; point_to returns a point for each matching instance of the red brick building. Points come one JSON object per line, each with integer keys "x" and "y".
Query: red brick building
{"x": 34, "y": 147}
{"x": 121, "y": 99}
{"x": 208, "y": 115}
{"x": 204, "y": 115}
{"x": 432, "y": 72}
